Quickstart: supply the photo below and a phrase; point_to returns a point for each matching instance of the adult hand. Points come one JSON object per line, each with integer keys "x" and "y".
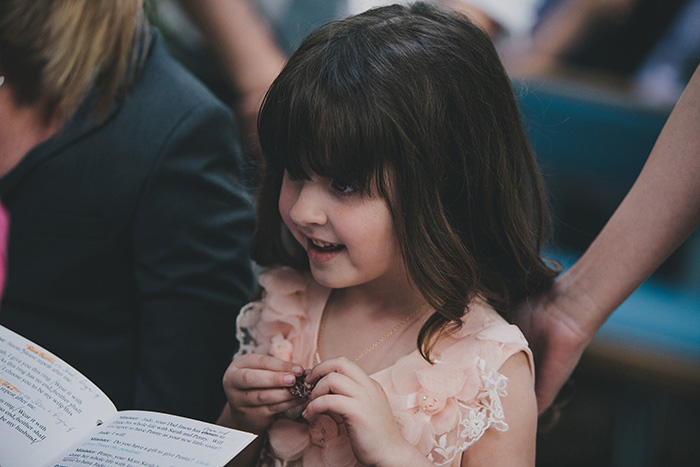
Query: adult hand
{"x": 256, "y": 389}
{"x": 558, "y": 328}
{"x": 344, "y": 391}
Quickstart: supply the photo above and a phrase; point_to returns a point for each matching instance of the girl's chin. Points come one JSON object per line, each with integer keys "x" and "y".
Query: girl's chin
{"x": 330, "y": 279}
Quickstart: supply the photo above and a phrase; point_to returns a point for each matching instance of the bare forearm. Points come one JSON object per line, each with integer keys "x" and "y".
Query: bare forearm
{"x": 241, "y": 39}
{"x": 656, "y": 216}
{"x": 560, "y": 31}
{"x": 478, "y": 16}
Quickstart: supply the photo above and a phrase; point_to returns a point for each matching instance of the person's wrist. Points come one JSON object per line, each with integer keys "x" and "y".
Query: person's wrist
{"x": 576, "y": 308}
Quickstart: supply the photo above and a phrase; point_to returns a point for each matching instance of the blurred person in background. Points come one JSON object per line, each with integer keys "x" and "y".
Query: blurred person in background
{"x": 128, "y": 252}
{"x": 650, "y": 47}
{"x": 250, "y": 40}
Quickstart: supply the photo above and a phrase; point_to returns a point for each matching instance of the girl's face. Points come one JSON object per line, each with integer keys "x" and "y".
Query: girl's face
{"x": 350, "y": 238}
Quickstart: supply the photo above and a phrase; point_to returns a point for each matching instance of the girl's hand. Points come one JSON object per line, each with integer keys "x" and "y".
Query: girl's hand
{"x": 343, "y": 390}
{"x": 256, "y": 389}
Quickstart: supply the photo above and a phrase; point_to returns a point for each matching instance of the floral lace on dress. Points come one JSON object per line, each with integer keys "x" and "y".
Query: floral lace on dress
{"x": 442, "y": 408}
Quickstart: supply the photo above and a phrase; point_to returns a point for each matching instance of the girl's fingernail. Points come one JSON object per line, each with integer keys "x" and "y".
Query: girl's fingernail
{"x": 289, "y": 379}
{"x": 303, "y": 414}
{"x": 297, "y": 370}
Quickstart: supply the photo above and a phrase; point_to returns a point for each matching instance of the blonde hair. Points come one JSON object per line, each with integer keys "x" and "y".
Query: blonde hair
{"x": 55, "y": 52}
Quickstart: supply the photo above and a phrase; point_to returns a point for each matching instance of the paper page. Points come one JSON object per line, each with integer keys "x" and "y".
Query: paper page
{"x": 154, "y": 439}
{"x": 45, "y": 404}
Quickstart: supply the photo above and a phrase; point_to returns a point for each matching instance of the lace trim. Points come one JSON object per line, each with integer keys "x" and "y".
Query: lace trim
{"x": 475, "y": 417}
{"x": 248, "y": 319}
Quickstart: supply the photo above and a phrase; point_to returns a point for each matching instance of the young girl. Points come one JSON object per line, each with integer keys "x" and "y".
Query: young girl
{"x": 401, "y": 215}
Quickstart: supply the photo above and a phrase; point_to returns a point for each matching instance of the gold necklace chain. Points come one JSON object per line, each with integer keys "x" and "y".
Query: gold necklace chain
{"x": 317, "y": 356}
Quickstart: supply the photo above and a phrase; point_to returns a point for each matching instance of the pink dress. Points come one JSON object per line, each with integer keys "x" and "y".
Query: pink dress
{"x": 442, "y": 408}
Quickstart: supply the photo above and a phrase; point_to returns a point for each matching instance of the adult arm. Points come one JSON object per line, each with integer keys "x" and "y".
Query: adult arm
{"x": 564, "y": 29}
{"x": 660, "y": 211}
{"x": 245, "y": 47}
{"x": 191, "y": 238}
{"x": 513, "y": 18}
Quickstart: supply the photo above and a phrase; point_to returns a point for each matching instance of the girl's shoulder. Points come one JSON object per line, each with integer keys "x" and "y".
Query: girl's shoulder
{"x": 485, "y": 341}
{"x": 446, "y": 406}
{"x": 285, "y": 280}
{"x": 284, "y": 317}
{"x": 484, "y": 329}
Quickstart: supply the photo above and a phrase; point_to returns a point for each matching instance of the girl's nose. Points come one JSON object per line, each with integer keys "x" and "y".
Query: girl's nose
{"x": 307, "y": 208}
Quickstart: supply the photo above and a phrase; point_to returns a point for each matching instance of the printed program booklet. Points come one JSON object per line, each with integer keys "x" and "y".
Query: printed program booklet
{"x": 51, "y": 415}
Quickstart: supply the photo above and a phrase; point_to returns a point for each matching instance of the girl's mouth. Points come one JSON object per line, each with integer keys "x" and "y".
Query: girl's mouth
{"x": 324, "y": 247}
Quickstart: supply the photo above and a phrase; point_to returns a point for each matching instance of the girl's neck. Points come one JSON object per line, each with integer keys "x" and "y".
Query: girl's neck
{"x": 379, "y": 300}
{"x": 372, "y": 329}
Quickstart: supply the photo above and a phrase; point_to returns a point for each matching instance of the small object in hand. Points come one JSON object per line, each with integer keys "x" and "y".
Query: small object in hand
{"x": 301, "y": 388}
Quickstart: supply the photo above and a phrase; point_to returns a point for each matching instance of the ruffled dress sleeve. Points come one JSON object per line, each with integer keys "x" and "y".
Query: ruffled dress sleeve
{"x": 446, "y": 407}
{"x": 283, "y": 322}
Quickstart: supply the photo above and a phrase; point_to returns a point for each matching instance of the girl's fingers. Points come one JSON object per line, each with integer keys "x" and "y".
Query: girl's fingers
{"x": 266, "y": 362}
{"x": 335, "y": 394}
{"x": 284, "y": 406}
{"x": 335, "y": 383}
{"x": 337, "y": 365}
{"x": 261, "y": 397}
{"x": 334, "y": 404}
{"x": 261, "y": 374}
{"x": 343, "y": 389}
{"x": 247, "y": 378}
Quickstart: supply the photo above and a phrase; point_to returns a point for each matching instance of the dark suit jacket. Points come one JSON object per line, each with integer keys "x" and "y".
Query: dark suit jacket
{"x": 129, "y": 242}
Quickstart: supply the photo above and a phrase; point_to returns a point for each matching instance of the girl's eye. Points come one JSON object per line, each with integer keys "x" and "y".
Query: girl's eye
{"x": 343, "y": 188}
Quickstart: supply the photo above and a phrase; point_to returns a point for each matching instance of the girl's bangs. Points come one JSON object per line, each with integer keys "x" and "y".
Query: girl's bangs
{"x": 329, "y": 128}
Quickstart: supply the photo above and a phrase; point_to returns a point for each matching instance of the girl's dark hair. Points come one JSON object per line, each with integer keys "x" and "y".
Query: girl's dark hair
{"x": 420, "y": 95}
